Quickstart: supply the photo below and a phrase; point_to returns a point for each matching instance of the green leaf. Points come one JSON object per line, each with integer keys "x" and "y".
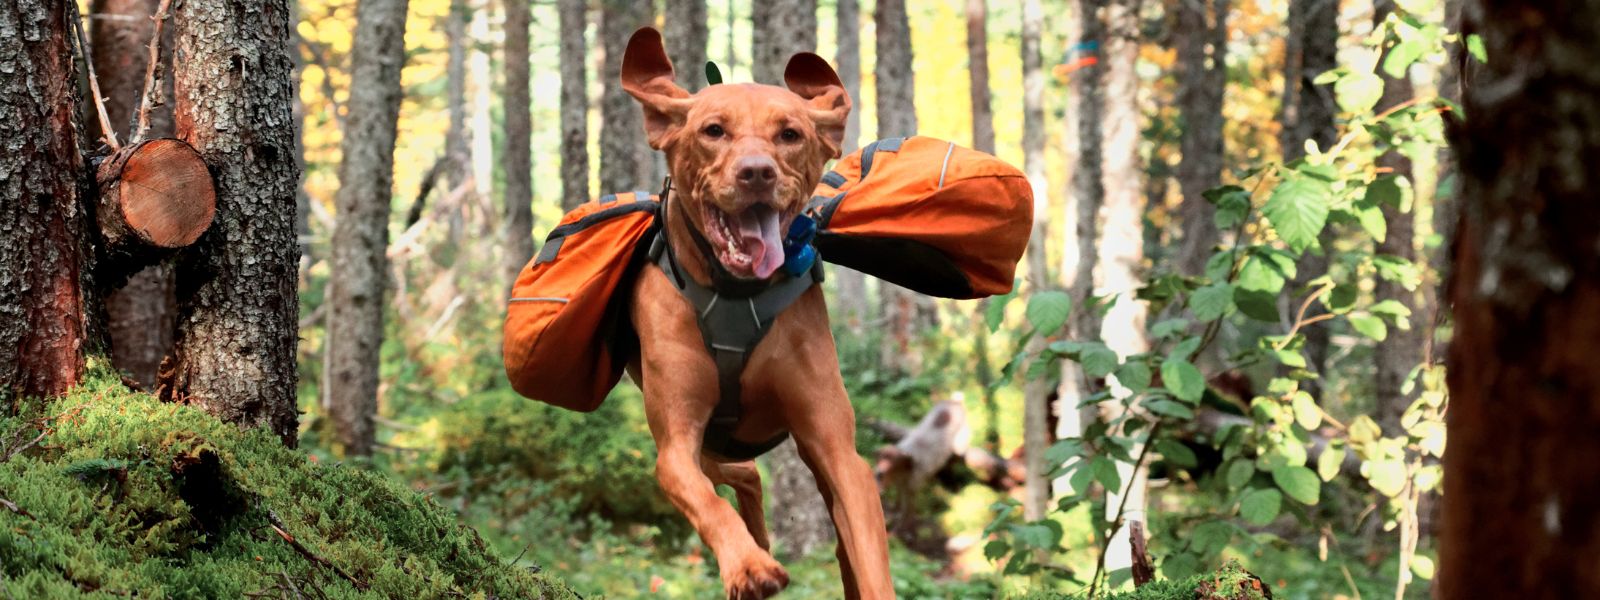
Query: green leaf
{"x": 1260, "y": 305}
{"x": 1097, "y": 360}
{"x": 1239, "y": 473}
{"x": 1180, "y": 566}
{"x": 1134, "y": 375}
{"x": 1211, "y": 302}
{"x": 1416, "y": 7}
{"x": 1105, "y": 472}
{"x": 995, "y": 312}
{"x": 1400, "y": 57}
{"x": 1211, "y": 537}
{"x": 1358, "y": 92}
{"x": 1476, "y": 48}
{"x": 1048, "y": 311}
{"x": 1260, "y": 506}
{"x": 1372, "y": 221}
{"x": 1364, "y": 430}
{"x": 1299, "y": 483}
{"x": 713, "y": 74}
{"x": 1369, "y": 326}
{"x": 1169, "y": 327}
{"x": 1232, "y": 203}
{"x": 1341, "y": 299}
{"x": 1169, "y": 408}
{"x": 996, "y": 550}
{"x": 1298, "y": 209}
{"x": 1422, "y": 566}
{"x": 1080, "y": 477}
{"x": 1384, "y": 190}
{"x": 1038, "y": 535}
{"x": 1184, "y": 379}
{"x": 1177, "y": 453}
{"x": 1183, "y": 349}
{"x": 1331, "y": 459}
{"x": 1306, "y": 412}
{"x": 1388, "y": 476}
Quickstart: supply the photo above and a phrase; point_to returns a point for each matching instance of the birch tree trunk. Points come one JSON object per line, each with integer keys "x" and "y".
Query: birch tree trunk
{"x": 573, "y": 15}
{"x": 625, "y": 161}
{"x": 43, "y": 269}
{"x": 234, "y": 351}
{"x": 361, "y": 233}
{"x": 1036, "y": 390}
{"x": 852, "y": 310}
{"x": 1308, "y": 111}
{"x": 1122, "y": 244}
{"x": 519, "y": 141}
{"x": 1522, "y": 481}
{"x": 780, "y": 28}
{"x": 139, "y": 315}
{"x": 1202, "y": 31}
{"x": 1401, "y": 351}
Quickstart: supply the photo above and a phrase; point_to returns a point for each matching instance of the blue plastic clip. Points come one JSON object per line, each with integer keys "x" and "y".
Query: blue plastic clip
{"x": 798, "y": 254}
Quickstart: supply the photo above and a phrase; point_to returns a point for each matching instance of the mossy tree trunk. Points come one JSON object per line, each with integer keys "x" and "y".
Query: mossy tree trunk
{"x": 234, "y": 351}
{"x": 361, "y": 234}
{"x": 1522, "y": 483}
{"x": 43, "y": 215}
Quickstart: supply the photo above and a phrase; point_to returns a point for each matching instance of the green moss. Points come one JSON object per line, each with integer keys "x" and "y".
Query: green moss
{"x": 1231, "y": 582}
{"x": 127, "y": 495}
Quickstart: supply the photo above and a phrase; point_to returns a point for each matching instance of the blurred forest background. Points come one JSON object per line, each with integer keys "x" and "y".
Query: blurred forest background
{"x": 1226, "y": 338}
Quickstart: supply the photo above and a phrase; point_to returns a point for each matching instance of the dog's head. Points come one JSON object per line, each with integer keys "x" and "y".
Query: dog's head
{"x": 744, "y": 158}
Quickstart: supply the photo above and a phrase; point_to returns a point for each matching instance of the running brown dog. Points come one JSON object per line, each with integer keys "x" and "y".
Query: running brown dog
{"x": 744, "y": 160}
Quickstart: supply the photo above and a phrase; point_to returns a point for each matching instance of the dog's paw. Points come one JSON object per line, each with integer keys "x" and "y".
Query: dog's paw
{"x": 756, "y": 577}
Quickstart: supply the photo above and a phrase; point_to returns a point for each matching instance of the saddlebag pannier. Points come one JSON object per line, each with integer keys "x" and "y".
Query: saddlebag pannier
{"x": 567, "y": 334}
{"x": 925, "y": 214}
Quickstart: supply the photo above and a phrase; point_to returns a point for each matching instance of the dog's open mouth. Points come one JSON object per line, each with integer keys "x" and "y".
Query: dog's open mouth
{"x": 748, "y": 244}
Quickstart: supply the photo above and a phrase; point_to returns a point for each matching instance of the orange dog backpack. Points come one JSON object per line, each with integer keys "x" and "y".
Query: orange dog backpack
{"x": 927, "y": 215}
{"x": 567, "y": 334}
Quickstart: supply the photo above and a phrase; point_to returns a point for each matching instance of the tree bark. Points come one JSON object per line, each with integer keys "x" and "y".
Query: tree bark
{"x": 1202, "y": 31}
{"x": 481, "y": 85}
{"x": 625, "y": 161}
{"x": 1401, "y": 351}
{"x": 573, "y": 15}
{"x": 1122, "y": 244}
{"x": 361, "y": 234}
{"x": 519, "y": 141}
{"x": 43, "y": 219}
{"x": 1036, "y": 390}
{"x": 906, "y": 313}
{"x": 780, "y": 28}
{"x": 457, "y": 137}
{"x": 1308, "y": 111}
{"x": 853, "y": 309}
{"x": 140, "y": 314}
{"x": 686, "y": 36}
{"x": 234, "y": 351}
{"x": 1521, "y": 483}
{"x": 978, "y": 67}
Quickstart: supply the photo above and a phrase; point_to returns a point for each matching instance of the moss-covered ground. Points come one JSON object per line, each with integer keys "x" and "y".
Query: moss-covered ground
{"x": 1231, "y": 582}
{"x": 109, "y": 493}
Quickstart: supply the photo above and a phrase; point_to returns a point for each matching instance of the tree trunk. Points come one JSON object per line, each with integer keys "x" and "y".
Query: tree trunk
{"x": 1080, "y": 222}
{"x": 140, "y": 315}
{"x": 519, "y": 142}
{"x": 361, "y": 234}
{"x": 978, "y": 67}
{"x": 235, "y": 347}
{"x": 574, "y": 103}
{"x": 43, "y": 271}
{"x": 853, "y": 309}
{"x": 906, "y": 313}
{"x": 1308, "y": 111}
{"x": 1122, "y": 244}
{"x": 780, "y": 28}
{"x": 481, "y": 84}
{"x": 625, "y": 161}
{"x": 1401, "y": 351}
{"x": 686, "y": 37}
{"x": 1036, "y": 390}
{"x": 1202, "y": 31}
{"x": 457, "y": 138}
{"x": 1522, "y": 481}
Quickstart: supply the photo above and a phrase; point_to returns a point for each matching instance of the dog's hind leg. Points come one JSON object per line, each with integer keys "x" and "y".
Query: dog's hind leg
{"x": 745, "y": 480}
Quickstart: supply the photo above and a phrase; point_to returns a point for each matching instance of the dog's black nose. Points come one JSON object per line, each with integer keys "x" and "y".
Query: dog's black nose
{"x": 757, "y": 171}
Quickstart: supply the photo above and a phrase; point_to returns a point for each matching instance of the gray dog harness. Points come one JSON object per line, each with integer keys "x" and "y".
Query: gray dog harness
{"x": 732, "y": 324}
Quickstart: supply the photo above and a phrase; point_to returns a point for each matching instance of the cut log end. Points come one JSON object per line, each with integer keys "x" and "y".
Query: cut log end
{"x": 158, "y": 192}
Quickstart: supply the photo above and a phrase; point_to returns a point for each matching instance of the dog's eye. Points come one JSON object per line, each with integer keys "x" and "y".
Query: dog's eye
{"x": 790, "y": 135}
{"x": 713, "y": 130}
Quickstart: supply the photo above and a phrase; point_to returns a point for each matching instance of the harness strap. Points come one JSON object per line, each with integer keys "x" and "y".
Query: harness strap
{"x": 732, "y": 327}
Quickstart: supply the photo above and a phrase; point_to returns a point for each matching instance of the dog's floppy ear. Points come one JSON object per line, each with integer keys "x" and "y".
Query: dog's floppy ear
{"x": 647, "y": 76}
{"x": 814, "y": 79}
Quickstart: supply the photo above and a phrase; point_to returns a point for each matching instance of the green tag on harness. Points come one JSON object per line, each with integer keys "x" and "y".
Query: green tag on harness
{"x": 713, "y": 75}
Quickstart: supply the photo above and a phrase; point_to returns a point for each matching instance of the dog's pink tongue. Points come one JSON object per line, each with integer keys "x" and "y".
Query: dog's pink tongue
{"x": 758, "y": 235}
